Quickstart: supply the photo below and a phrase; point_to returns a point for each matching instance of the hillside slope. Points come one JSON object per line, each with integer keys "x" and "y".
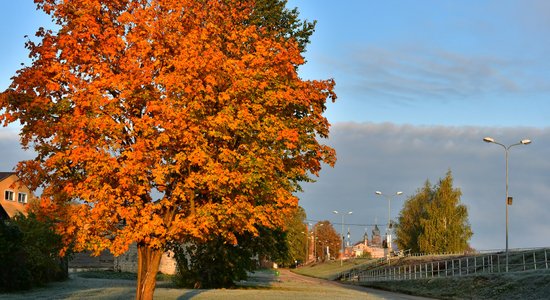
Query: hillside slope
{"x": 520, "y": 285}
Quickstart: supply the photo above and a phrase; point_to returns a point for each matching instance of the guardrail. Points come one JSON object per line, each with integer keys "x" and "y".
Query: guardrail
{"x": 519, "y": 261}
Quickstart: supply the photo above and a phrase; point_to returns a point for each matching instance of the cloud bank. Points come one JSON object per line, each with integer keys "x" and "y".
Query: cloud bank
{"x": 390, "y": 158}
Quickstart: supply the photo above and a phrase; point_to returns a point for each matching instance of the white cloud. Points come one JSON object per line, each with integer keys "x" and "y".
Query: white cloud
{"x": 390, "y": 158}
{"x": 419, "y": 73}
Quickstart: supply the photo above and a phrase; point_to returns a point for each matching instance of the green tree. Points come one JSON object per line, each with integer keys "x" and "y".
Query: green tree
{"x": 14, "y": 274}
{"x": 445, "y": 222}
{"x": 273, "y": 16}
{"x": 434, "y": 220}
{"x": 42, "y": 246}
{"x": 29, "y": 253}
{"x": 408, "y": 228}
{"x": 295, "y": 237}
{"x": 214, "y": 263}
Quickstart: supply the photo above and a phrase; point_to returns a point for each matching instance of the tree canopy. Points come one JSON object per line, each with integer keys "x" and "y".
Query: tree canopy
{"x": 326, "y": 236}
{"x": 434, "y": 221}
{"x": 295, "y": 238}
{"x": 157, "y": 121}
{"x": 214, "y": 263}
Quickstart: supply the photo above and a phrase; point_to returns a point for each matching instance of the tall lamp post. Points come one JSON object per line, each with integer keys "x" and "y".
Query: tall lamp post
{"x": 507, "y": 201}
{"x": 388, "y": 232}
{"x": 342, "y": 232}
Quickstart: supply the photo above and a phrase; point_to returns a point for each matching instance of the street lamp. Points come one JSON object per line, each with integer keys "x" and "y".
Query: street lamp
{"x": 326, "y": 250}
{"x": 342, "y": 232}
{"x": 388, "y": 232}
{"x": 379, "y": 193}
{"x": 507, "y": 201}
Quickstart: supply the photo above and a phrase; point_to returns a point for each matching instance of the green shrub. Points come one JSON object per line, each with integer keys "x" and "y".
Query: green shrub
{"x": 213, "y": 264}
{"x": 365, "y": 254}
{"x": 29, "y": 253}
{"x": 14, "y": 273}
{"x": 217, "y": 264}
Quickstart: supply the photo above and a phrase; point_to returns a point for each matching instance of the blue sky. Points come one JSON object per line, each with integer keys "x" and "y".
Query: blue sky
{"x": 433, "y": 62}
{"x": 420, "y": 83}
{"x": 430, "y": 63}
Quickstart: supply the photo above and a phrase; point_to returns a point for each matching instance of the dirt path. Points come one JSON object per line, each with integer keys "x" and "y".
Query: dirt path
{"x": 262, "y": 285}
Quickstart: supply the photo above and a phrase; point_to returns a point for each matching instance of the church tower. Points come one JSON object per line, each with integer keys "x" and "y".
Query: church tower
{"x": 376, "y": 239}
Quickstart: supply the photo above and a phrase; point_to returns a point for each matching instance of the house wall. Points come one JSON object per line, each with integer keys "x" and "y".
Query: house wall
{"x": 85, "y": 260}
{"x": 128, "y": 262}
{"x": 13, "y": 207}
{"x": 375, "y": 252}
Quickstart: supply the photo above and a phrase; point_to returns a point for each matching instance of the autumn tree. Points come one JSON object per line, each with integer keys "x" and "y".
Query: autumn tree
{"x": 161, "y": 121}
{"x": 408, "y": 228}
{"x": 295, "y": 237}
{"x": 445, "y": 222}
{"x": 326, "y": 236}
{"x": 434, "y": 220}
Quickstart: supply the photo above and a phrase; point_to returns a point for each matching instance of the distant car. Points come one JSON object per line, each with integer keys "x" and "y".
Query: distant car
{"x": 296, "y": 264}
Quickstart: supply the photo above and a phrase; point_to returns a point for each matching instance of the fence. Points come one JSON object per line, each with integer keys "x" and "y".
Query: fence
{"x": 534, "y": 259}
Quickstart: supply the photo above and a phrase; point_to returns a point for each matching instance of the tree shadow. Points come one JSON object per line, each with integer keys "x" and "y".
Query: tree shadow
{"x": 190, "y": 294}
{"x": 259, "y": 279}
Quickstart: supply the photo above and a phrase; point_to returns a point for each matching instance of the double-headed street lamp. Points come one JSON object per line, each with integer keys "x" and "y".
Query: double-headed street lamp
{"x": 388, "y": 229}
{"x": 315, "y": 239}
{"x": 379, "y": 193}
{"x": 342, "y": 232}
{"x": 508, "y": 200}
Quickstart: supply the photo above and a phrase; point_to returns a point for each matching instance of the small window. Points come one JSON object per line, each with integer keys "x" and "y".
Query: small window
{"x": 22, "y": 198}
{"x": 8, "y": 195}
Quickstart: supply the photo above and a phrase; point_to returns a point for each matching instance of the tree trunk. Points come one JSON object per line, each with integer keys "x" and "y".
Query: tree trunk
{"x": 148, "y": 266}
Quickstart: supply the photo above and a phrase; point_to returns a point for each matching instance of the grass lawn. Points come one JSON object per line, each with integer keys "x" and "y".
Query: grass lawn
{"x": 331, "y": 269}
{"x": 265, "y": 284}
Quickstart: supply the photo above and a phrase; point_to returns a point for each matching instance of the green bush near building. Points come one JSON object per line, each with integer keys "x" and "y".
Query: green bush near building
{"x": 29, "y": 253}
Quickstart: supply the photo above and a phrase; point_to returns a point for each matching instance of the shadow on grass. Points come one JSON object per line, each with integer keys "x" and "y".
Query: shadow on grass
{"x": 119, "y": 285}
{"x": 190, "y": 294}
{"x": 258, "y": 280}
{"x": 78, "y": 288}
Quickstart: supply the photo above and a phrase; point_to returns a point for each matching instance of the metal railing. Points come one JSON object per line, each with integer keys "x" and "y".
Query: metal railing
{"x": 519, "y": 261}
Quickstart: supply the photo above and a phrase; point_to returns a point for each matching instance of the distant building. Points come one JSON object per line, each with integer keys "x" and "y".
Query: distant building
{"x": 376, "y": 240}
{"x": 15, "y": 196}
{"x": 374, "y": 247}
